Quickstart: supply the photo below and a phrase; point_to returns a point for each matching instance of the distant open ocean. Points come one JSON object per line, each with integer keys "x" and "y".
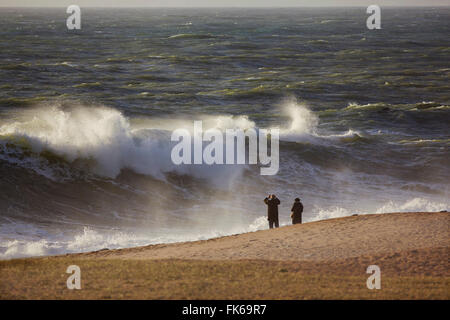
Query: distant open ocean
{"x": 86, "y": 118}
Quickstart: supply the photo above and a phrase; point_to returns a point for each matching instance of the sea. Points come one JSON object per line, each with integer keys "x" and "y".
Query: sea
{"x": 86, "y": 118}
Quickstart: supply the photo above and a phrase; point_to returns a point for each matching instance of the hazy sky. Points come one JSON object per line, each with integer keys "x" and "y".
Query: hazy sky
{"x": 222, "y": 3}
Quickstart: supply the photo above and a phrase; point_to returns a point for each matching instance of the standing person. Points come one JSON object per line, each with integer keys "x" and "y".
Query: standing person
{"x": 296, "y": 211}
{"x": 272, "y": 210}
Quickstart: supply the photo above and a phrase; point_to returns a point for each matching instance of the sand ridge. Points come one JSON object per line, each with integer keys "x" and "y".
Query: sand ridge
{"x": 333, "y": 239}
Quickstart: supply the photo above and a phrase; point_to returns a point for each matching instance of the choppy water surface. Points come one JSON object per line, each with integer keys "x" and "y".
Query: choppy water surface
{"x": 86, "y": 118}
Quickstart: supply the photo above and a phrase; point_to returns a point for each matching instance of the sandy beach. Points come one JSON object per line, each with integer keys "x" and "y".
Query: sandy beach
{"x": 317, "y": 260}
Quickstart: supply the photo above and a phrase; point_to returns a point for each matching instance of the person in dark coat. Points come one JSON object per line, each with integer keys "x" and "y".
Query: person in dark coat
{"x": 296, "y": 211}
{"x": 272, "y": 210}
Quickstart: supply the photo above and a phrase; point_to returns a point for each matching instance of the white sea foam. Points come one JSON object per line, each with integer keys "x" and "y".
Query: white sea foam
{"x": 304, "y": 125}
{"x": 412, "y": 205}
{"x": 416, "y": 204}
{"x": 91, "y": 240}
{"x": 107, "y": 137}
{"x": 110, "y": 142}
{"x": 328, "y": 213}
{"x": 303, "y": 120}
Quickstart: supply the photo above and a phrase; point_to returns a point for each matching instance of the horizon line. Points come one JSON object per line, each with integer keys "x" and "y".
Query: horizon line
{"x": 225, "y": 7}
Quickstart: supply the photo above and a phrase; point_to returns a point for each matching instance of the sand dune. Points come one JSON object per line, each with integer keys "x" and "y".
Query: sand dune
{"x": 334, "y": 239}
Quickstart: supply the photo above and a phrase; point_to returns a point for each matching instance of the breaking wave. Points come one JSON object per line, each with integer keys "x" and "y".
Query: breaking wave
{"x": 91, "y": 240}
{"x": 105, "y": 141}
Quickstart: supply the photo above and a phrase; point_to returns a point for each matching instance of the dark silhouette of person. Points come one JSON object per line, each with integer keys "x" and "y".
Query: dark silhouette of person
{"x": 296, "y": 211}
{"x": 272, "y": 210}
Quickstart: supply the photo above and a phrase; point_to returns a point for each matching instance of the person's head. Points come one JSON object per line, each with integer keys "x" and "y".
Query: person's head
{"x": 297, "y": 199}
{"x": 273, "y": 196}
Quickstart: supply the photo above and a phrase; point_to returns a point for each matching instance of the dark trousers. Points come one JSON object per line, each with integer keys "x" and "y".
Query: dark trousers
{"x": 273, "y": 222}
{"x": 297, "y": 220}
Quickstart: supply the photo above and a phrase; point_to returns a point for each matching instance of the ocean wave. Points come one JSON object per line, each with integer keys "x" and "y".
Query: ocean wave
{"x": 21, "y": 102}
{"x": 66, "y": 64}
{"x": 356, "y": 106}
{"x": 105, "y": 140}
{"x": 304, "y": 126}
{"x": 99, "y": 133}
{"x": 413, "y": 205}
{"x": 87, "y": 84}
{"x": 430, "y": 105}
{"x": 193, "y": 36}
{"x": 24, "y": 66}
{"x": 261, "y": 90}
{"x": 109, "y": 142}
{"x": 90, "y": 239}
{"x": 424, "y": 141}
{"x": 420, "y": 106}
